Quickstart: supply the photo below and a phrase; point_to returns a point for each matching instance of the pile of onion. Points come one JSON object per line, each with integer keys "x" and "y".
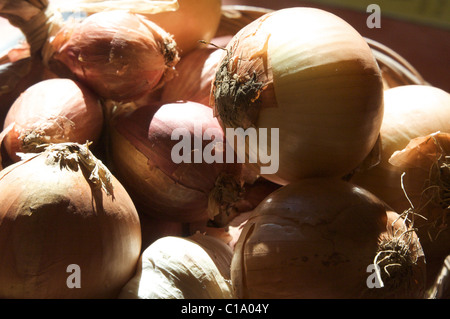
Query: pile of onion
{"x": 120, "y": 55}
{"x": 168, "y": 181}
{"x": 320, "y": 86}
{"x": 68, "y": 229}
{"x": 194, "y": 267}
{"x": 320, "y": 238}
{"x": 52, "y": 111}
{"x": 410, "y": 112}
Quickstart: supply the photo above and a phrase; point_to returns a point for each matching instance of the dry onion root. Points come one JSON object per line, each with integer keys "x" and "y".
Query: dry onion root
{"x": 196, "y": 267}
{"x": 62, "y": 208}
{"x": 425, "y": 162}
{"x": 320, "y": 86}
{"x": 317, "y": 238}
{"x": 52, "y": 111}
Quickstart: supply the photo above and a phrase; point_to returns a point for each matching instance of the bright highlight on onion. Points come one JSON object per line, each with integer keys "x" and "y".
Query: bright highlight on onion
{"x": 317, "y": 238}
{"x": 119, "y": 55}
{"x": 59, "y": 208}
{"x": 52, "y": 111}
{"x": 196, "y": 267}
{"x": 320, "y": 85}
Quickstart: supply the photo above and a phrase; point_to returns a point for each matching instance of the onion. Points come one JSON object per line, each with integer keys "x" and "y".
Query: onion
{"x": 410, "y": 111}
{"x": 426, "y": 165}
{"x": 141, "y": 156}
{"x": 316, "y": 238}
{"x": 52, "y": 111}
{"x": 195, "y": 74}
{"x": 120, "y": 55}
{"x": 61, "y": 209}
{"x": 193, "y": 21}
{"x": 172, "y": 267}
{"x": 320, "y": 86}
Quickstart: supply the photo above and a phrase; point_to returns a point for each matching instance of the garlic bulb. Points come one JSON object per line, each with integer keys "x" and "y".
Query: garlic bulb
{"x": 196, "y": 267}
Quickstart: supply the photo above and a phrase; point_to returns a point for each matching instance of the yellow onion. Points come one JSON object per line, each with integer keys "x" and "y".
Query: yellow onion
{"x": 319, "y": 238}
{"x": 64, "y": 221}
{"x": 52, "y": 111}
{"x": 193, "y": 21}
{"x": 196, "y": 267}
{"x": 119, "y": 55}
{"x": 410, "y": 111}
{"x": 195, "y": 73}
{"x": 181, "y": 190}
{"x": 320, "y": 85}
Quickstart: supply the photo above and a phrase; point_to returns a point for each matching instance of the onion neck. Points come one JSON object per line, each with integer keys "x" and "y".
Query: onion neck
{"x": 223, "y": 198}
{"x": 236, "y": 97}
{"x": 74, "y": 156}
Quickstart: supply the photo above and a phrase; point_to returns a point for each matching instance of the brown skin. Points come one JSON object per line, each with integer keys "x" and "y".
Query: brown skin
{"x": 59, "y": 219}
{"x": 315, "y": 239}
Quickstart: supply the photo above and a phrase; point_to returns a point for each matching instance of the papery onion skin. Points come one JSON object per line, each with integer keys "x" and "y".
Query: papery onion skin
{"x": 315, "y": 239}
{"x": 193, "y": 21}
{"x": 410, "y": 111}
{"x": 51, "y": 217}
{"x": 141, "y": 146}
{"x": 426, "y": 181}
{"x": 320, "y": 85}
{"x": 182, "y": 268}
{"x": 53, "y": 111}
{"x": 119, "y": 55}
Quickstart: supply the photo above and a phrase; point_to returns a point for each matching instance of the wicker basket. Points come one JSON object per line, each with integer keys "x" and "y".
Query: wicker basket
{"x": 395, "y": 69}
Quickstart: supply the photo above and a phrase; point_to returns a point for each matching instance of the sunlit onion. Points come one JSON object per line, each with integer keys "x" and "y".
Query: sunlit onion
{"x": 119, "y": 55}
{"x": 65, "y": 220}
{"x": 196, "y": 267}
{"x": 317, "y": 238}
{"x": 52, "y": 111}
{"x": 320, "y": 86}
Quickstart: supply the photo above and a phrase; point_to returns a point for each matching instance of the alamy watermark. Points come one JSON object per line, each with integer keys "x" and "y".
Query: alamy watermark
{"x": 257, "y": 142}
{"x": 374, "y": 19}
